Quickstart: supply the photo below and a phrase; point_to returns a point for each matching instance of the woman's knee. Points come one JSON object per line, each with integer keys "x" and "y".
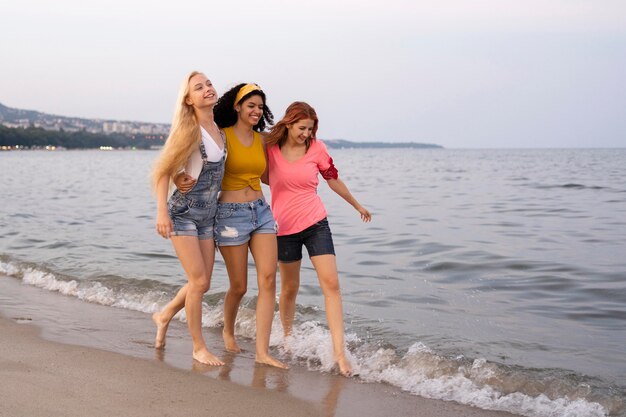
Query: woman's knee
{"x": 267, "y": 281}
{"x": 238, "y": 289}
{"x": 289, "y": 288}
{"x": 201, "y": 285}
{"x": 330, "y": 286}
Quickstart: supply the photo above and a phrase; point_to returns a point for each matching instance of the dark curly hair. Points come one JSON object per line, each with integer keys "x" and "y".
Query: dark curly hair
{"x": 226, "y": 116}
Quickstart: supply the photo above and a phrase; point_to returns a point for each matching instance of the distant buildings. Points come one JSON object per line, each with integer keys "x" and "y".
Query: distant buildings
{"x": 92, "y": 126}
{"x": 132, "y": 128}
{"x": 23, "y": 123}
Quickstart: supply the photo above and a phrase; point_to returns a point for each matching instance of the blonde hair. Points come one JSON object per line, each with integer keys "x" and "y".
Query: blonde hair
{"x": 183, "y": 138}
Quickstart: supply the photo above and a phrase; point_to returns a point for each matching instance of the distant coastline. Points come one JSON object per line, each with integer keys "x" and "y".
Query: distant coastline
{"x": 36, "y": 138}
{"x": 341, "y": 143}
{"x": 33, "y": 130}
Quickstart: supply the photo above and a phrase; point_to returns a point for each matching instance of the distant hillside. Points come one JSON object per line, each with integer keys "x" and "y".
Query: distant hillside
{"x": 8, "y": 114}
{"x": 18, "y": 118}
{"x": 154, "y": 133}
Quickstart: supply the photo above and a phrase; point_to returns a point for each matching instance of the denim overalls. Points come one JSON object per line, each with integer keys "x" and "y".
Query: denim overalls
{"x": 193, "y": 213}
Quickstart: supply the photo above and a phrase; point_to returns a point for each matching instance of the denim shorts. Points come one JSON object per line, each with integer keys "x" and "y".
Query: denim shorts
{"x": 192, "y": 220}
{"x": 236, "y": 222}
{"x": 317, "y": 238}
{"x": 193, "y": 213}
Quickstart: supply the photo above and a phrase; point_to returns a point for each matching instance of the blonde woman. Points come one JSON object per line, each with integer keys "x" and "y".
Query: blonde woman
{"x": 196, "y": 146}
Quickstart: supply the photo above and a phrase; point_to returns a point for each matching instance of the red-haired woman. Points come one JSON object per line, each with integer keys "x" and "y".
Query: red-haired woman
{"x": 295, "y": 158}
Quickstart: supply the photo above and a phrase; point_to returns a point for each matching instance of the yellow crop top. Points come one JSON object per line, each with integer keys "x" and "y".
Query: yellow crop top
{"x": 244, "y": 165}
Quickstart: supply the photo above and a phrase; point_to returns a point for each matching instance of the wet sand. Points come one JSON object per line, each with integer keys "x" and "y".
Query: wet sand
{"x": 41, "y": 378}
{"x": 63, "y": 356}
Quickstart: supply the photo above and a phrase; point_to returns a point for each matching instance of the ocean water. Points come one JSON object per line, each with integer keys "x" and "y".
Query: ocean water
{"x": 494, "y": 278}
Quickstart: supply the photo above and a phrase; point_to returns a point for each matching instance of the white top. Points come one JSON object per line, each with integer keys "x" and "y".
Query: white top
{"x": 213, "y": 154}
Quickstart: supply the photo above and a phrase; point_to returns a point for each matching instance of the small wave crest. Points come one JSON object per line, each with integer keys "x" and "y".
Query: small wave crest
{"x": 144, "y": 296}
{"x": 422, "y": 372}
{"x": 478, "y": 383}
{"x": 570, "y": 186}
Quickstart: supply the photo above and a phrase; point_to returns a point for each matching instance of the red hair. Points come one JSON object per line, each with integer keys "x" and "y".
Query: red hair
{"x": 296, "y": 111}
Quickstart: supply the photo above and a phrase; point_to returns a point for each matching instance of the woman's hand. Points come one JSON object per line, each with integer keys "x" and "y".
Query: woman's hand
{"x": 164, "y": 224}
{"x": 341, "y": 189}
{"x": 184, "y": 182}
{"x": 365, "y": 215}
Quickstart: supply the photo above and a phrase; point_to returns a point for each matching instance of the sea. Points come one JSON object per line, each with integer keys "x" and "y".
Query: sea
{"x": 494, "y": 278}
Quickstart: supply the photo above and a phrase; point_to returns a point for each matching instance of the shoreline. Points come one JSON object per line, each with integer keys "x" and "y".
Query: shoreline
{"x": 63, "y": 356}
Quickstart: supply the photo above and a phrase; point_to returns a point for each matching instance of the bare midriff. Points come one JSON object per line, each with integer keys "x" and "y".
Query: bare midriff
{"x": 240, "y": 196}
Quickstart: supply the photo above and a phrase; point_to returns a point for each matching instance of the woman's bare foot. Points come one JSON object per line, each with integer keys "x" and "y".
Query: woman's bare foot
{"x": 345, "y": 367}
{"x": 230, "y": 344}
{"x": 161, "y": 325}
{"x": 207, "y": 358}
{"x": 268, "y": 360}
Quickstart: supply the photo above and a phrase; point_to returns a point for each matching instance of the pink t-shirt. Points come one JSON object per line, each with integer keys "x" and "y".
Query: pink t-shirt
{"x": 295, "y": 203}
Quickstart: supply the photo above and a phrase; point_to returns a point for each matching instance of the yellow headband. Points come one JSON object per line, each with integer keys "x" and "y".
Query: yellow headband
{"x": 248, "y": 88}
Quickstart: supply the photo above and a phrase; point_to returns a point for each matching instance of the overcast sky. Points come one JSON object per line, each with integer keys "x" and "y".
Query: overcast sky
{"x": 462, "y": 74}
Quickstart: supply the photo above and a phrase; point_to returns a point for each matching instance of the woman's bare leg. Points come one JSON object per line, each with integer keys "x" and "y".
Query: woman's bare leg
{"x": 265, "y": 252}
{"x": 197, "y": 258}
{"x": 326, "y": 268}
{"x": 162, "y": 318}
{"x": 236, "y": 260}
{"x": 289, "y": 286}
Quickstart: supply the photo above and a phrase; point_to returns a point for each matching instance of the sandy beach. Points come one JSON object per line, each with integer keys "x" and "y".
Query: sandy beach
{"x": 61, "y": 356}
{"x": 42, "y": 378}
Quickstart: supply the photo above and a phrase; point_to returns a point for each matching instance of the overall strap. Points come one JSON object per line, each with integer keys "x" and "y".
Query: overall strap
{"x": 203, "y": 152}
{"x": 223, "y": 136}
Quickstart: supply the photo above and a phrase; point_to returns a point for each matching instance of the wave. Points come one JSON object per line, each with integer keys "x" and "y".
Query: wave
{"x": 571, "y": 186}
{"x": 417, "y": 370}
{"x": 420, "y": 371}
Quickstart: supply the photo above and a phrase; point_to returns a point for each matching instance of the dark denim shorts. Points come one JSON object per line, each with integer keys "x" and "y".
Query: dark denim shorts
{"x": 317, "y": 238}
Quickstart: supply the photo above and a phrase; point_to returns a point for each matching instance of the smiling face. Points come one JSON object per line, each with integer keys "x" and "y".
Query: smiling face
{"x": 299, "y": 132}
{"x": 202, "y": 94}
{"x": 250, "y": 110}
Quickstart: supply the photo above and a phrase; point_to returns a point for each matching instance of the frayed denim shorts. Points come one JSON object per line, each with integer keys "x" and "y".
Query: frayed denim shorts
{"x": 318, "y": 240}
{"x": 236, "y": 222}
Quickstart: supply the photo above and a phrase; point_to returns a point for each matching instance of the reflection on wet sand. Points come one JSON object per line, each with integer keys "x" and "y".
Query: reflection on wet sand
{"x": 332, "y": 396}
{"x": 270, "y": 377}
{"x": 228, "y": 358}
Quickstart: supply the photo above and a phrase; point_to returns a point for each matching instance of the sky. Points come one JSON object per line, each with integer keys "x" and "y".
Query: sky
{"x": 461, "y": 74}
